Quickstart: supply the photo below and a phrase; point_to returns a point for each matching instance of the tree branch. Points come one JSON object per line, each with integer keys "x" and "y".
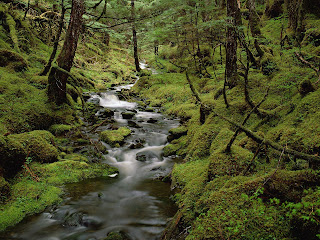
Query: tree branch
{"x": 274, "y": 145}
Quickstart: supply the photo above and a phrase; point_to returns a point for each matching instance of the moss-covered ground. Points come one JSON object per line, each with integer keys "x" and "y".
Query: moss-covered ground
{"x": 35, "y": 163}
{"x": 253, "y": 192}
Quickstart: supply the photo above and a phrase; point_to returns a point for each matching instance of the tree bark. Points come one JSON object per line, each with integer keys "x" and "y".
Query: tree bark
{"x": 56, "y": 42}
{"x": 234, "y": 20}
{"x": 254, "y": 20}
{"x": 58, "y": 79}
{"x": 134, "y": 38}
{"x": 295, "y": 15}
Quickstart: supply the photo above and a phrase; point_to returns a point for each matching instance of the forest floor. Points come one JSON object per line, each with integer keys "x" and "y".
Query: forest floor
{"x": 253, "y": 191}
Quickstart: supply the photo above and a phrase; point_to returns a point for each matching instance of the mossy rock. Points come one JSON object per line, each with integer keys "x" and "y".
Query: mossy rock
{"x": 117, "y": 236}
{"x": 15, "y": 60}
{"x": 115, "y": 137}
{"x": 176, "y": 133}
{"x": 38, "y": 145}
{"x": 60, "y": 129}
{"x": 170, "y": 150}
{"x": 4, "y": 190}
{"x": 12, "y": 156}
{"x": 76, "y": 157}
{"x": 305, "y": 87}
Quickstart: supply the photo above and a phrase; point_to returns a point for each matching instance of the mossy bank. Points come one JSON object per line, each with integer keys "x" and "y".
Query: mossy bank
{"x": 253, "y": 191}
{"x": 38, "y": 140}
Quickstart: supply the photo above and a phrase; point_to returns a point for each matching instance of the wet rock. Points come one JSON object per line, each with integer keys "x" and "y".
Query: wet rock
{"x": 94, "y": 101}
{"x": 105, "y": 113}
{"x": 145, "y": 156}
{"x": 92, "y": 222}
{"x": 133, "y": 124}
{"x": 141, "y": 157}
{"x": 128, "y": 115}
{"x": 73, "y": 220}
{"x": 137, "y": 144}
{"x": 121, "y": 235}
{"x": 149, "y": 109}
{"x": 152, "y": 120}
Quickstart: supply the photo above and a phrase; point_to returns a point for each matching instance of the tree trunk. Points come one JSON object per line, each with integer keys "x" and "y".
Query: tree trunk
{"x": 56, "y": 42}
{"x": 57, "y": 79}
{"x": 134, "y": 38}
{"x": 233, "y": 13}
{"x": 296, "y": 15}
{"x": 254, "y": 19}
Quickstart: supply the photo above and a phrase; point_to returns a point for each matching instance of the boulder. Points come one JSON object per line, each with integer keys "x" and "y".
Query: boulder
{"x": 16, "y": 148}
{"x": 152, "y": 120}
{"x": 128, "y": 115}
{"x": 105, "y": 113}
{"x": 145, "y": 156}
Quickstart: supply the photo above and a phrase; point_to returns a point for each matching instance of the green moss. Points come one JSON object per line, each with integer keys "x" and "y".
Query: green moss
{"x": 37, "y": 145}
{"x": 229, "y": 164}
{"x": 60, "y": 129}
{"x": 28, "y": 197}
{"x": 5, "y": 190}
{"x": 13, "y": 60}
{"x": 76, "y": 157}
{"x": 13, "y": 32}
{"x": 114, "y": 137}
{"x": 171, "y": 149}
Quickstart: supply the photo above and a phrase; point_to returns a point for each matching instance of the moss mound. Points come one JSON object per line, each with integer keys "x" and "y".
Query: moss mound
{"x": 16, "y": 148}
{"x": 38, "y": 145}
{"x": 13, "y": 60}
{"x": 115, "y": 137}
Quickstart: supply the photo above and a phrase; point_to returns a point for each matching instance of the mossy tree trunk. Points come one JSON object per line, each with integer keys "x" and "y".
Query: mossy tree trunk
{"x": 58, "y": 79}
{"x": 56, "y": 42}
{"x": 273, "y": 8}
{"x": 254, "y": 20}
{"x": 234, "y": 20}
{"x": 295, "y": 16}
{"x": 134, "y": 37}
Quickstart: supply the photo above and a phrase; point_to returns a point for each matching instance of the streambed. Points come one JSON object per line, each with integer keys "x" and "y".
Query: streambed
{"x": 134, "y": 202}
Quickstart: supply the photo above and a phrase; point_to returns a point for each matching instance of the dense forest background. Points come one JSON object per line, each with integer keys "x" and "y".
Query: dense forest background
{"x": 242, "y": 75}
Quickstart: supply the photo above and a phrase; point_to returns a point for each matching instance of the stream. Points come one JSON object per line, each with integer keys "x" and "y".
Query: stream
{"x": 135, "y": 202}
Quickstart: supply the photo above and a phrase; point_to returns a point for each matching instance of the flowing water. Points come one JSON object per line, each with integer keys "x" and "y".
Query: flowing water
{"x": 133, "y": 202}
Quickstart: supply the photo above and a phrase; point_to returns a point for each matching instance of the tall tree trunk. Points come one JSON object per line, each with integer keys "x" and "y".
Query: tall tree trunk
{"x": 134, "y": 37}
{"x": 296, "y": 15}
{"x": 254, "y": 19}
{"x": 234, "y": 20}
{"x": 56, "y": 42}
{"x": 57, "y": 79}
